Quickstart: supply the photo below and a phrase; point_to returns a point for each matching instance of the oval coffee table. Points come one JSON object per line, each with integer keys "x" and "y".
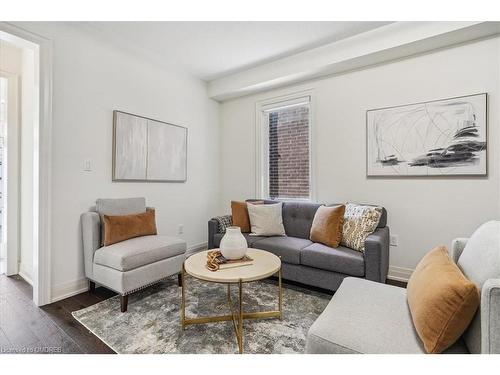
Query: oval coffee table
{"x": 264, "y": 265}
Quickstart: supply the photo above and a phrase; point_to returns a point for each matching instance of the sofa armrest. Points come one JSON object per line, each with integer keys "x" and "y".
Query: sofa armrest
{"x": 377, "y": 255}
{"x": 91, "y": 235}
{"x": 457, "y": 246}
{"x": 213, "y": 229}
{"x": 490, "y": 317}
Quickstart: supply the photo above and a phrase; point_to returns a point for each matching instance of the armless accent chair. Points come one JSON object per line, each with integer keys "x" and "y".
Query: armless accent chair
{"x": 130, "y": 265}
{"x": 368, "y": 317}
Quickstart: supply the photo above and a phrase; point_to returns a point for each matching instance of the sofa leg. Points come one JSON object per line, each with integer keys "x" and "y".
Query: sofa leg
{"x": 124, "y": 303}
{"x": 91, "y": 286}
{"x": 179, "y": 279}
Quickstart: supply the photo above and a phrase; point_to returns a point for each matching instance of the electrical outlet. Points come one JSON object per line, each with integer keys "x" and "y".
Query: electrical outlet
{"x": 87, "y": 165}
{"x": 181, "y": 229}
{"x": 394, "y": 240}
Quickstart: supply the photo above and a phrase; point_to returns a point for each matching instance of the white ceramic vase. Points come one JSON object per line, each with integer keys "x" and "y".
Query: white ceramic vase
{"x": 233, "y": 245}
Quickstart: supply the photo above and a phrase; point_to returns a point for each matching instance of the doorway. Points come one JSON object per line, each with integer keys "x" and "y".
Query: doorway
{"x": 25, "y": 154}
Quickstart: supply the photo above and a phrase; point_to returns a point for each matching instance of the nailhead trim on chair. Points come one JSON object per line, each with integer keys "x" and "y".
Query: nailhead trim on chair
{"x": 146, "y": 286}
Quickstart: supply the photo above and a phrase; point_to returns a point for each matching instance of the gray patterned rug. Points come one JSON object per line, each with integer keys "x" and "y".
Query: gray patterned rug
{"x": 152, "y": 323}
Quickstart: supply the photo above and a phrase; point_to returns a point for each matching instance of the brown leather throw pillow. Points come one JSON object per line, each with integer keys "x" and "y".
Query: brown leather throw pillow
{"x": 327, "y": 225}
{"x": 239, "y": 211}
{"x": 442, "y": 300}
{"x": 124, "y": 227}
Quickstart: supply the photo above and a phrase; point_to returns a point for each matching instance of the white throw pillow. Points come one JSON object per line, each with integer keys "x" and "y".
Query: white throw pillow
{"x": 266, "y": 219}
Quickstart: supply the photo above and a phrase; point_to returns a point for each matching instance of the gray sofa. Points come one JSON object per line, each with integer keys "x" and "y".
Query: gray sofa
{"x": 313, "y": 263}
{"x": 130, "y": 265}
{"x": 367, "y": 317}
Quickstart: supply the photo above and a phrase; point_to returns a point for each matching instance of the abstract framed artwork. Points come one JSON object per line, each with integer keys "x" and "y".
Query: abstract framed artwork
{"x": 148, "y": 150}
{"x": 445, "y": 137}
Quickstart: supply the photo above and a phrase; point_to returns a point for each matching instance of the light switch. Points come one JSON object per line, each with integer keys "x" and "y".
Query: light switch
{"x": 87, "y": 165}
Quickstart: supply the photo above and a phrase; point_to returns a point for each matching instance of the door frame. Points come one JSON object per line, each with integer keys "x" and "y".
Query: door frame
{"x": 10, "y": 175}
{"x": 42, "y": 291}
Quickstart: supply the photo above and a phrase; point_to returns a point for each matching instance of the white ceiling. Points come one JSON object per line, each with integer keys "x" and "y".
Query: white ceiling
{"x": 210, "y": 50}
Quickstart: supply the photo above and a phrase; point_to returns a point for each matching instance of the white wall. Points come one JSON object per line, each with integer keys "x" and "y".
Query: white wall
{"x": 424, "y": 212}
{"x": 91, "y": 79}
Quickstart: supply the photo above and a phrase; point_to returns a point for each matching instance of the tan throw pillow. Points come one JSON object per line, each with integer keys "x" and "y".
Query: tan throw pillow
{"x": 239, "y": 212}
{"x": 359, "y": 222}
{"x": 124, "y": 227}
{"x": 327, "y": 225}
{"x": 442, "y": 300}
{"x": 266, "y": 219}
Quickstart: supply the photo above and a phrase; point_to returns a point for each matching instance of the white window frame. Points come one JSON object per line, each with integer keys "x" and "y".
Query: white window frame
{"x": 263, "y": 108}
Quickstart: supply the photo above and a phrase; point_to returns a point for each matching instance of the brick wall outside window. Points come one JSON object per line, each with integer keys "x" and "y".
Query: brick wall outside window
{"x": 289, "y": 153}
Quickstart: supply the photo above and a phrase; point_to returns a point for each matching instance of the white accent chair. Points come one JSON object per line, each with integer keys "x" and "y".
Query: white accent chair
{"x": 130, "y": 265}
{"x": 368, "y": 317}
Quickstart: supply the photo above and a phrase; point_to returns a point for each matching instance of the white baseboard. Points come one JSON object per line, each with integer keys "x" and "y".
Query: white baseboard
{"x": 25, "y": 276}
{"x": 399, "y": 273}
{"x": 69, "y": 289}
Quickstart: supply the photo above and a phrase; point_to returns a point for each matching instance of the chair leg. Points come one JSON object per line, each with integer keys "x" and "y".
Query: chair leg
{"x": 91, "y": 286}
{"x": 179, "y": 279}
{"x": 124, "y": 303}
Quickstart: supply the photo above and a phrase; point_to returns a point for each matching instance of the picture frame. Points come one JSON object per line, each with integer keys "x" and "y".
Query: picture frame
{"x": 444, "y": 137}
{"x": 148, "y": 150}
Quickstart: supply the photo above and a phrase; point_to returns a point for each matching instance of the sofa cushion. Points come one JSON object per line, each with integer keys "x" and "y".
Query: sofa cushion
{"x": 383, "y": 218}
{"x": 250, "y": 239}
{"x": 366, "y": 317}
{"x": 239, "y": 213}
{"x": 123, "y": 227}
{"x": 327, "y": 225}
{"x": 441, "y": 299}
{"x": 288, "y": 248}
{"x": 339, "y": 259}
{"x": 118, "y": 206}
{"x": 266, "y": 219}
{"x": 139, "y": 251}
{"x": 298, "y": 218}
{"x": 359, "y": 223}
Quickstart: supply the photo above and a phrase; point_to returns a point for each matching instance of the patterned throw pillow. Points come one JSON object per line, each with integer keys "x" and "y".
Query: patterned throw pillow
{"x": 224, "y": 222}
{"x": 359, "y": 223}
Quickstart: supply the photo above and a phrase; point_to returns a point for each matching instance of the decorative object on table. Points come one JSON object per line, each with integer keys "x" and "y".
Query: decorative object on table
{"x": 148, "y": 150}
{"x": 441, "y": 299}
{"x": 216, "y": 261}
{"x": 327, "y": 225}
{"x": 440, "y": 137}
{"x": 239, "y": 213}
{"x": 266, "y": 219}
{"x": 359, "y": 222}
{"x": 233, "y": 245}
{"x": 265, "y": 265}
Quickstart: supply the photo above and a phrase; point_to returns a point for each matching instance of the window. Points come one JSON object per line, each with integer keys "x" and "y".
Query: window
{"x": 285, "y": 149}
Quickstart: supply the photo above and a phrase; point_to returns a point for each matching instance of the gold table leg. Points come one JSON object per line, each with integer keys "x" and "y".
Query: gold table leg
{"x": 240, "y": 321}
{"x": 236, "y": 316}
{"x": 183, "y": 299}
{"x": 280, "y": 295}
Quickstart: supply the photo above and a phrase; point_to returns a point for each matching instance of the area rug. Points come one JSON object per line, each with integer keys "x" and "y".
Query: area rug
{"x": 152, "y": 322}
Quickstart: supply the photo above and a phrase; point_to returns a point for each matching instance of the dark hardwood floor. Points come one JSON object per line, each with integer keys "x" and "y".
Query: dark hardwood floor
{"x": 26, "y": 328}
